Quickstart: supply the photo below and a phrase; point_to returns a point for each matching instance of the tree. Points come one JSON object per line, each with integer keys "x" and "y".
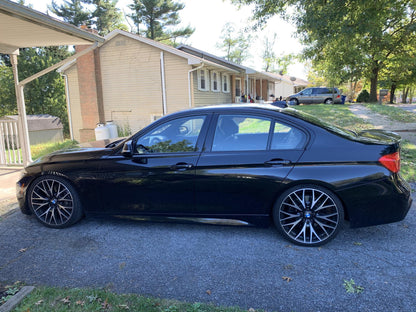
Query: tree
{"x": 72, "y": 12}
{"x": 159, "y": 18}
{"x": 366, "y": 34}
{"x": 46, "y": 94}
{"x": 234, "y": 44}
{"x": 104, "y": 16}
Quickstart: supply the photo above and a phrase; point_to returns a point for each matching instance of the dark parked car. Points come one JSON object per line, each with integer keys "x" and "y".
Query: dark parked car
{"x": 316, "y": 95}
{"x": 243, "y": 164}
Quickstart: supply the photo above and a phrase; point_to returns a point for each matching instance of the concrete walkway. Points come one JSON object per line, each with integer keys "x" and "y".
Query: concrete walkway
{"x": 8, "y": 178}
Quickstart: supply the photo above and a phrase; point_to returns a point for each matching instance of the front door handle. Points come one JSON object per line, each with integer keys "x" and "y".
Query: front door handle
{"x": 182, "y": 166}
{"x": 278, "y": 162}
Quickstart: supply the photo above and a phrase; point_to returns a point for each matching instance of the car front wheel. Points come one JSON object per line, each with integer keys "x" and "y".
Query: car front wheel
{"x": 54, "y": 201}
{"x": 308, "y": 215}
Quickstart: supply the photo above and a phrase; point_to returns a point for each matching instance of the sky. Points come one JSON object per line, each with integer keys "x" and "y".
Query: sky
{"x": 208, "y": 17}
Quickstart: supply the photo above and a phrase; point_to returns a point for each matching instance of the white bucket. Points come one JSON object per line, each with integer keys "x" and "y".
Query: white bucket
{"x": 101, "y": 132}
{"x": 112, "y": 128}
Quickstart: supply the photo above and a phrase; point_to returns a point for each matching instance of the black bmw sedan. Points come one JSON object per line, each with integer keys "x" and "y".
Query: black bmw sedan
{"x": 239, "y": 164}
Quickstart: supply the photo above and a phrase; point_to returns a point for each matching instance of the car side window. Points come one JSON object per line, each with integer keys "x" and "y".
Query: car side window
{"x": 241, "y": 133}
{"x": 174, "y": 136}
{"x": 307, "y": 92}
{"x": 287, "y": 137}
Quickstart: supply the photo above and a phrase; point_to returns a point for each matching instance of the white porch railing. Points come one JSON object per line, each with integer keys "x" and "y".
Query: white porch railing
{"x": 10, "y": 146}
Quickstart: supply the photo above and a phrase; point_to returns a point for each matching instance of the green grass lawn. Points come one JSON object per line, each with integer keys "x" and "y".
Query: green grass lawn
{"x": 45, "y": 299}
{"x": 392, "y": 112}
{"x": 40, "y": 150}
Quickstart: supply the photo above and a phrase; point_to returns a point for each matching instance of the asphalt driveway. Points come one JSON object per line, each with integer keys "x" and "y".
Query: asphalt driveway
{"x": 242, "y": 266}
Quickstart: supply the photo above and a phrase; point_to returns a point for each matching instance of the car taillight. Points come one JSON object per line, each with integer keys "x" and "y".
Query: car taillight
{"x": 391, "y": 161}
{"x": 338, "y": 96}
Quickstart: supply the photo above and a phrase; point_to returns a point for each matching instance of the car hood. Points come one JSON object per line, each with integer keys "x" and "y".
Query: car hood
{"x": 73, "y": 154}
{"x": 379, "y": 136}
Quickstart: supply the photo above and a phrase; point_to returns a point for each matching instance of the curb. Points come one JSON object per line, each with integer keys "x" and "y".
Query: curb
{"x": 15, "y": 300}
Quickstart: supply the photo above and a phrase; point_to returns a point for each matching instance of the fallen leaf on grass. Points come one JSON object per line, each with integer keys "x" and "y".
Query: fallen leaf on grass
{"x": 80, "y": 302}
{"x": 39, "y": 302}
{"x": 66, "y": 300}
{"x": 105, "y": 304}
{"x": 286, "y": 278}
{"x": 251, "y": 310}
{"x": 123, "y": 307}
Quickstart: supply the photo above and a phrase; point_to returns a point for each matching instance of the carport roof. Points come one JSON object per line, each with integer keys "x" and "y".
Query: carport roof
{"x": 22, "y": 27}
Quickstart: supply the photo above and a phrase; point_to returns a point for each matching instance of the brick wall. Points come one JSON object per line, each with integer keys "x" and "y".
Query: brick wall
{"x": 90, "y": 92}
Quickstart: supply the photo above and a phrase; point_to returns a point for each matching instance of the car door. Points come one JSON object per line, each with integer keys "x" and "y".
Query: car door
{"x": 158, "y": 177}
{"x": 306, "y": 96}
{"x": 244, "y": 164}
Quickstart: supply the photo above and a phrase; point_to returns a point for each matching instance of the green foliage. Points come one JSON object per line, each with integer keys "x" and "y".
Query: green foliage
{"x": 45, "y": 299}
{"x": 158, "y": 19}
{"x": 9, "y": 291}
{"x": 7, "y": 92}
{"x": 408, "y": 161}
{"x": 234, "y": 44}
{"x": 104, "y": 15}
{"x": 339, "y": 115}
{"x": 43, "y": 149}
{"x": 72, "y": 12}
{"x": 392, "y": 112}
{"x": 169, "y": 147}
{"x": 363, "y": 97}
{"x": 348, "y": 40}
{"x": 46, "y": 94}
{"x": 352, "y": 288}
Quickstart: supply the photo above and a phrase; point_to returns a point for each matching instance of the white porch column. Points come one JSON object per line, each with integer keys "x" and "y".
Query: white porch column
{"x": 21, "y": 108}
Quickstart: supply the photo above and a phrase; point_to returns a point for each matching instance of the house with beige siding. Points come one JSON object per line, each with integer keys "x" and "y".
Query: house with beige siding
{"x": 132, "y": 81}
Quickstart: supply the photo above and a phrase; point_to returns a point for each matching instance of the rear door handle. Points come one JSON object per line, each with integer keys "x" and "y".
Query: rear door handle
{"x": 182, "y": 166}
{"x": 277, "y": 162}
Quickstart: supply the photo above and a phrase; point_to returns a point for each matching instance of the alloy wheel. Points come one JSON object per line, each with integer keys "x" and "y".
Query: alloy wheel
{"x": 309, "y": 216}
{"x": 52, "y": 202}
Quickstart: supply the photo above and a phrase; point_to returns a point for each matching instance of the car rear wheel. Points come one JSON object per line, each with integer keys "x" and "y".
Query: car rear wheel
{"x": 329, "y": 101}
{"x": 54, "y": 202}
{"x": 308, "y": 215}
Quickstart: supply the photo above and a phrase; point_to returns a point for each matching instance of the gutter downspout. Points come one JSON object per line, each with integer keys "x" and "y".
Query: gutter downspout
{"x": 189, "y": 83}
{"x": 68, "y": 106}
{"x": 162, "y": 74}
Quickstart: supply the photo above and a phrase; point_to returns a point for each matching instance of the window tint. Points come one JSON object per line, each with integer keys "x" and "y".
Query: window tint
{"x": 241, "y": 133}
{"x": 307, "y": 92}
{"x": 286, "y": 137}
{"x": 175, "y": 136}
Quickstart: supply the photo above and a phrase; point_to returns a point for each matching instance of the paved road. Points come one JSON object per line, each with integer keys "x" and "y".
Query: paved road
{"x": 240, "y": 266}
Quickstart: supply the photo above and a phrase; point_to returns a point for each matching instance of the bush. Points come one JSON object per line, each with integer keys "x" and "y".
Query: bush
{"x": 364, "y": 96}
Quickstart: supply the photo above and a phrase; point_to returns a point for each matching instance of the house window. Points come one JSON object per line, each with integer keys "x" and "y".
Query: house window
{"x": 215, "y": 81}
{"x": 203, "y": 84}
{"x": 226, "y": 83}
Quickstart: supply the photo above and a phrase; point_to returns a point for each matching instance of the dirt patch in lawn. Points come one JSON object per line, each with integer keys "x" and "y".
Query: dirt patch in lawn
{"x": 406, "y": 130}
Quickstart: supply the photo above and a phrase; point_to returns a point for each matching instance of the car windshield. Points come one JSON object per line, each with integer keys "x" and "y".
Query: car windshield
{"x": 320, "y": 123}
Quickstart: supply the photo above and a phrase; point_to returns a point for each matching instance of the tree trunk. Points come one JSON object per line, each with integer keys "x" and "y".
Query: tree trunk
{"x": 411, "y": 96}
{"x": 405, "y": 93}
{"x": 392, "y": 90}
{"x": 374, "y": 81}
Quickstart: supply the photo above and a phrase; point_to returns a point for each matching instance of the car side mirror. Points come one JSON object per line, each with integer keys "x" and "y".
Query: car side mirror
{"x": 127, "y": 150}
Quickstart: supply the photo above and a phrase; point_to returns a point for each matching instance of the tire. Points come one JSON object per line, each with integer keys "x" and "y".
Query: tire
{"x": 54, "y": 202}
{"x": 295, "y": 101}
{"x": 328, "y": 101}
{"x": 308, "y": 215}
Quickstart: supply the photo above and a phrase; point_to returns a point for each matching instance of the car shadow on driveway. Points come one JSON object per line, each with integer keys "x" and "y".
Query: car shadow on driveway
{"x": 226, "y": 265}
